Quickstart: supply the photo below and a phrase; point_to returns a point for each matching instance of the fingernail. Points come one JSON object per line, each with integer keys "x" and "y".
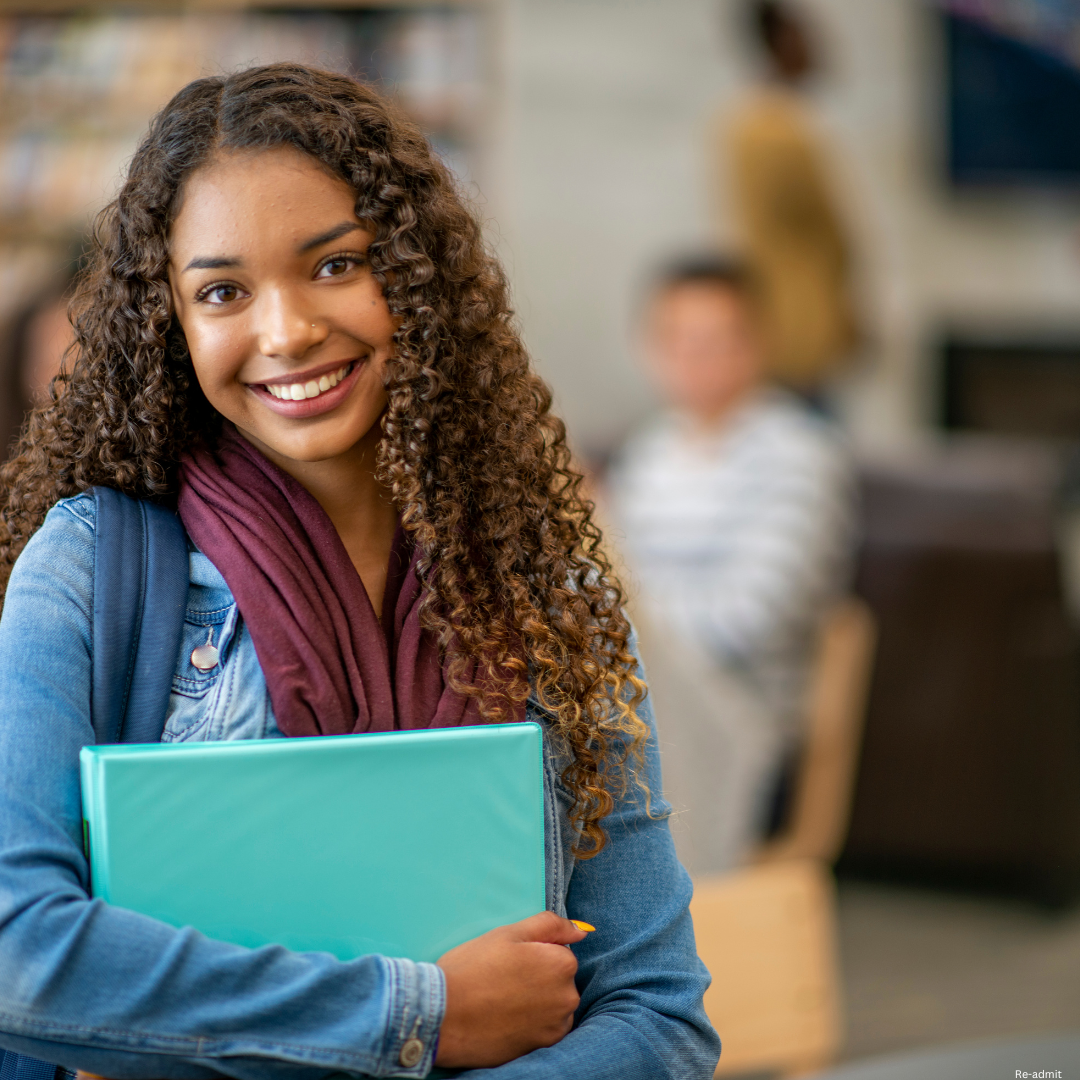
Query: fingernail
{"x": 583, "y": 926}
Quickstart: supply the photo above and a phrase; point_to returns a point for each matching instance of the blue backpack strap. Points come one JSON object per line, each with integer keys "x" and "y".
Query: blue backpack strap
{"x": 140, "y": 593}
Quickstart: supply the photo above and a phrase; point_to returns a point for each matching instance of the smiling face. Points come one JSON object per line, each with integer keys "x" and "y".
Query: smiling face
{"x": 287, "y": 327}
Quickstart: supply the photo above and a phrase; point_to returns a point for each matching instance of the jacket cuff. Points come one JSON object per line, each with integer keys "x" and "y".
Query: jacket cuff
{"x": 417, "y": 1005}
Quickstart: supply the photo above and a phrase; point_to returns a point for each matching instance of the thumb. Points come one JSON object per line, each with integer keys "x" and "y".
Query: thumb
{"x": 549, "y": 928}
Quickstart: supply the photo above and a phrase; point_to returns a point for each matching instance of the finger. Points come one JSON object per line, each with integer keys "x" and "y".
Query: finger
{"x": 549, "y": 928}
{"x": 560, "y": 961}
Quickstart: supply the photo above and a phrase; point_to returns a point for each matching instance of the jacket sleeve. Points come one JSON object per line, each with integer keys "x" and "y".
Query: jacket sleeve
{"x": 95, "y": 987}
{"x": 641, "y": 1015}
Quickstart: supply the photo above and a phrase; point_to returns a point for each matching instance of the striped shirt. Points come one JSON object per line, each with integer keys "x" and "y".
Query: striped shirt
{"x": 741, "y": 536}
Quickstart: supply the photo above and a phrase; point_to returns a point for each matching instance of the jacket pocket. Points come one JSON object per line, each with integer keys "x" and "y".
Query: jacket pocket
{"x": 205, "y": 634}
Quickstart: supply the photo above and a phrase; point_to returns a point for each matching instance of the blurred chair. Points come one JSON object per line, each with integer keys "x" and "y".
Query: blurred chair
{"x": 836, "y": 708}
{"x": 683, "y": 686}
{"x": 768, "y": 936}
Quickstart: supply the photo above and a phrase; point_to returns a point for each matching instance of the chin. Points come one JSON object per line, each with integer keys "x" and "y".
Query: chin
{"x": 308, "y": 447}
{"x": 312, "y": 450}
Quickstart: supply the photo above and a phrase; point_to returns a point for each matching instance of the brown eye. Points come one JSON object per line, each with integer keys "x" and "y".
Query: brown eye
{"x": 221, "y": 294}
{"x": 336, "y": 267}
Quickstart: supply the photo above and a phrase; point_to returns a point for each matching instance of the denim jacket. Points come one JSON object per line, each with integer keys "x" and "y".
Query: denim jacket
{"x": 107, "y": 990}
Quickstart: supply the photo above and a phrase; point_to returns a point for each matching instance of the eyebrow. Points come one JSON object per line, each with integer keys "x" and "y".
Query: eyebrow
{"x": 216, "y": 262}
{"x": 210, "y": 262}
{"x": 336, "y": 233}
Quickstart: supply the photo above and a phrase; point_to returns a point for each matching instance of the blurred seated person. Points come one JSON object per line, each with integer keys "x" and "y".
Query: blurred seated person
{"x": 736, "y": 506}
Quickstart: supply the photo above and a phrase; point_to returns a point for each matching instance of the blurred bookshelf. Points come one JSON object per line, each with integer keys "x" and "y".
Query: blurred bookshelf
{"x": 80, "y": 83}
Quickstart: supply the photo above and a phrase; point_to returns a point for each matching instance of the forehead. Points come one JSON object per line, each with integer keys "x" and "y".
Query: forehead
{"x": 245, "y": 194}
{"x": 700, "y": 298}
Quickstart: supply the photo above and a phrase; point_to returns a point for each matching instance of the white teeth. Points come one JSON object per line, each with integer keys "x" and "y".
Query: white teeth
{"x": 310, "y": 389}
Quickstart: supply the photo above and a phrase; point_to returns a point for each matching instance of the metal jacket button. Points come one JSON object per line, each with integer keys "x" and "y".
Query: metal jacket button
{"x": 411, "y": 1053}
{"x": 205, "y": 657}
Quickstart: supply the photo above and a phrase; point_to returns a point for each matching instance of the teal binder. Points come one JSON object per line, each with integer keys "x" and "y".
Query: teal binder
{"x": 404, "y": 843}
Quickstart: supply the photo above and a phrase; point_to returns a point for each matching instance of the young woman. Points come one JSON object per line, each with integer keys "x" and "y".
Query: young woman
{"x": 291, "y": 331}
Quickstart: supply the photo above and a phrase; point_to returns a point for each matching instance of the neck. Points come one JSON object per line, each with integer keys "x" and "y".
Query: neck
{"x": 359, "y": 506}
{"x": 704, "y": 420}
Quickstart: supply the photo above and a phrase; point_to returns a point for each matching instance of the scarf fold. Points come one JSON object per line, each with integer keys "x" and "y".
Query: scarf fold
{"x": 331, "y": 666}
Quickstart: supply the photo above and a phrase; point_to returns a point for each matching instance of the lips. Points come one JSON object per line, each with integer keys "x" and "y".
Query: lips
{"x": 318, "y": 392}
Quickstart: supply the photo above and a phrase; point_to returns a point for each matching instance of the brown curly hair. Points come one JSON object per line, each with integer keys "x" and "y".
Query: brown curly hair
{"x": 479, "y": 468}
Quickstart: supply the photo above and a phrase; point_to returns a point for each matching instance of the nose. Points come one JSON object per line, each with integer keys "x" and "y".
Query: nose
{"x": 286, "y": 328}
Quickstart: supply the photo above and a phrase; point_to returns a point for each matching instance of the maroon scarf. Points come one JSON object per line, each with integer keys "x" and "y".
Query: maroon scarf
{"x": 332, "y": 669}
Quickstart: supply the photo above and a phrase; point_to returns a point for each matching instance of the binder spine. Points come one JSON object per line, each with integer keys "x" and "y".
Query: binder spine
{"x": 95, "y": 834}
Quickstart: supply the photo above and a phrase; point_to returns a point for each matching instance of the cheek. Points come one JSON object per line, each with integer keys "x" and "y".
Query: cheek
{"x": 216, "y": 354}
{"x": 374, "y": 386}
{"x": 371, "y": 317}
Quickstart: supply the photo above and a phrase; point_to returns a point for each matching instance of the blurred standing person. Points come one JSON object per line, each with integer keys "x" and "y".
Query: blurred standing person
{"x": 786, "y": 212}
{"x": 736, "y": 507}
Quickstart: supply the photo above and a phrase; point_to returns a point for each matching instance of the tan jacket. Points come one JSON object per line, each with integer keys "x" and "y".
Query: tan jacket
{"x": 793, "y": 236}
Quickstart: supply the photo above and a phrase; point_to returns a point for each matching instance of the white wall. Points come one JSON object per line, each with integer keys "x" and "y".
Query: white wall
{"x": 602, "y": 167}
{"x": 603, "y": 170}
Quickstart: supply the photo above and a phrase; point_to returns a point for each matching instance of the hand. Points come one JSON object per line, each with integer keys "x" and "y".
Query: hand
{"x": 508, "y": 991}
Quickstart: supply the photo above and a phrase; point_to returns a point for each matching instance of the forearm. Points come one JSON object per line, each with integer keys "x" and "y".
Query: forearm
{"x": 125, "y": 996}
{"x": 640, "y": 979}
{"x": 630, "y": 1044}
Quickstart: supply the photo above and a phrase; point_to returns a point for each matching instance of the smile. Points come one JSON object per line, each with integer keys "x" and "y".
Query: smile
{"x": 311, "y": 389}
{"x": 313, "y": 393}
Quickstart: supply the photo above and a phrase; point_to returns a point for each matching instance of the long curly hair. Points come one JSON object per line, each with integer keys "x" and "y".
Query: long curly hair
{"x": 516, "y": 579}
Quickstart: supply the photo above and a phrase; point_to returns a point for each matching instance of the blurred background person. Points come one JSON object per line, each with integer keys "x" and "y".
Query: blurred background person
{"x": 45, "y": 339}
{"x": 36, "y": 340}
{"x": 736, "y": 509}
{"x": 785, "y": 211}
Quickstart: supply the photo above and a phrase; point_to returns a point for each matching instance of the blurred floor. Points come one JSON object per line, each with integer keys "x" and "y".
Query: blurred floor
{"x": 924, "y": 967}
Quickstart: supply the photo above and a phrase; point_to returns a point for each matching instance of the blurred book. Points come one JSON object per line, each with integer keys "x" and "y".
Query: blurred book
{"x": 80, "y": 89}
